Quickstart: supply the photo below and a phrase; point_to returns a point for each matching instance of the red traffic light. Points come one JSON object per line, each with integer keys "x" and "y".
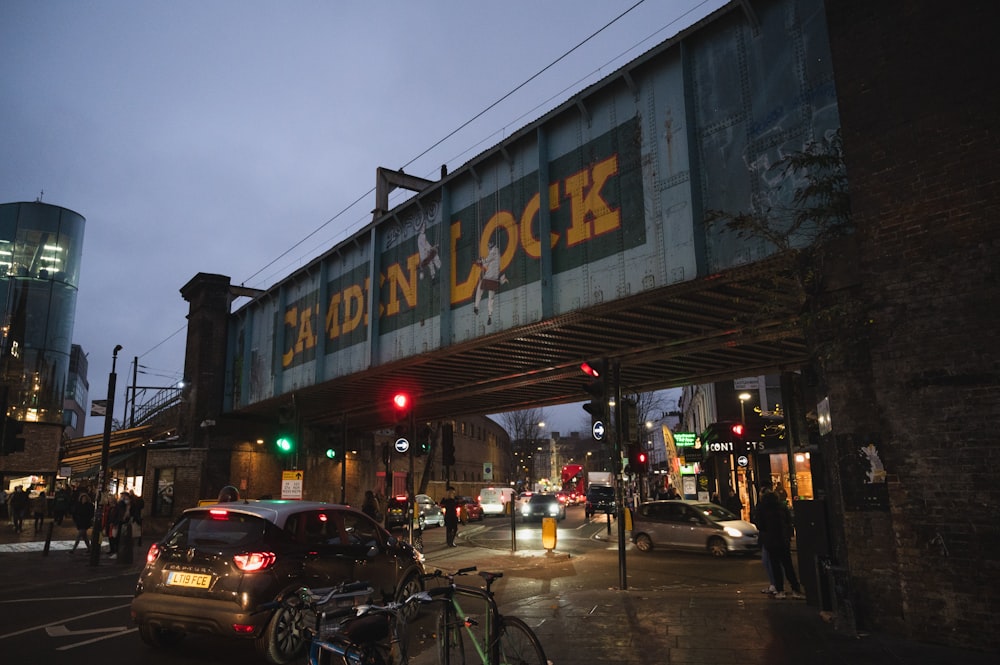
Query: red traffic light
{"x": 590, "y": 369}
{"x": 737, "y": 429}
{"x": 641, "y": 458}
{"x": 401, "y": 401}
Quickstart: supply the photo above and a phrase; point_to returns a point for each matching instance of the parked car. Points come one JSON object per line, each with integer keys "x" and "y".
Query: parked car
{"x": 219, "y": 564}
{"x": 600, "y": 499}
{"x": 543, "y": 505}
{"x": 470, "y": 510}
{"x": 431, "y": 514}
{"x": 692, "y": 525}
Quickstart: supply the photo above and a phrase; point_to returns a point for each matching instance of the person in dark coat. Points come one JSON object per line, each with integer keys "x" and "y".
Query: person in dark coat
{"x": 18, "y": 503}
{"x": 774, "y": 522}
{"x": 732, "y": 502}
{"x": 451, "y": 508}
{"x": 82, "y": 513}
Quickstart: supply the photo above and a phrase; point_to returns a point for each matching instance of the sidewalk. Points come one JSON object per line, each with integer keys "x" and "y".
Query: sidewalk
{"x": 681, "y": 625}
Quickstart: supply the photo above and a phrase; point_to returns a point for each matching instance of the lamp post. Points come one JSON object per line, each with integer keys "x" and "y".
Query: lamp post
{"x": 95, "y": 537}
{"x": 743, "y": 400}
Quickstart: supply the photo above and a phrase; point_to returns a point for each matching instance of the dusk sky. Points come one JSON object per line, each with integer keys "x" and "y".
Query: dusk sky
{"x": 241, "y": 137}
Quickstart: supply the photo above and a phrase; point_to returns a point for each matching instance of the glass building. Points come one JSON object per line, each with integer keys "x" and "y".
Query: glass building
{"x": 40, "y": 250}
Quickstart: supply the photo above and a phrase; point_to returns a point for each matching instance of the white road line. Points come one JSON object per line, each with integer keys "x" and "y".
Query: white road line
{"x": 62, "y": 621}
{"x": 123, "y": 631}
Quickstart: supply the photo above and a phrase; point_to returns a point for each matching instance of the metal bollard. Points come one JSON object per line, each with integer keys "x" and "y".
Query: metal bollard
{"x": 48, "y": 539}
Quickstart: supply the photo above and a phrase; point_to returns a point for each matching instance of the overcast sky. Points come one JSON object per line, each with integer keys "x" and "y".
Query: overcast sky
{"x": 241, "y": 137}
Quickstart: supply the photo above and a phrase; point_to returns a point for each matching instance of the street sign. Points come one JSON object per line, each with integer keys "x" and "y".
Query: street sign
{"x": 598, "y": 430}
{"x": 291, "y": 484}
{"x": 743, "y": 461}
{"x": 402, "y": 445}
{"x": 487, "y": 471}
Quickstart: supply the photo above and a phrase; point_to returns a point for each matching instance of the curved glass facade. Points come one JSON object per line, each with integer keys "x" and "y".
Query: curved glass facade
{"x": 40, "y": 250}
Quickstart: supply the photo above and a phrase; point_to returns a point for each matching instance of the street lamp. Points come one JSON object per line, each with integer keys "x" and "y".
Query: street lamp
{"x": 743, "y": 400}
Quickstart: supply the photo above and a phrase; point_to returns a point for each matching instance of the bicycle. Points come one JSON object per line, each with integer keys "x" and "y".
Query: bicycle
{"x": 506, "y": 640}
{"x": 359, "y": 634}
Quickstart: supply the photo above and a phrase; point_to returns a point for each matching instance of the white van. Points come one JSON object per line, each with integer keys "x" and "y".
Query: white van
{"x": 494, "y": 500}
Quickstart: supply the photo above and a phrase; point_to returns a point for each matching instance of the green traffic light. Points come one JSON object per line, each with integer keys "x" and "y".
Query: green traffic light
{"x": 285, "y": 444}
{"x": 331, "y": 453}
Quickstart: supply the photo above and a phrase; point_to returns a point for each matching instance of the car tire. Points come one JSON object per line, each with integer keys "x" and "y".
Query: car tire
{"x": 409, "y": 586}
{"x": 643, "y": 543}
{"x": 159, "y": 638}
{"x": 282, "y": 640}
{"x": 717, "y": 547}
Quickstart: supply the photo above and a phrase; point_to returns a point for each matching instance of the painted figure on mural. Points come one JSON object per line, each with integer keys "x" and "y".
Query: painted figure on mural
{"x": 490, "y": 280}
{"x": 429, "y": 257}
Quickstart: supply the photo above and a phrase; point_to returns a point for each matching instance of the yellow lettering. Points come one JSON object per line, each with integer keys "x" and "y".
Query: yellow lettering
{"x": 354, "y": 307}
{"x": 532, "y": 245}
{"x": 399, "y": 284}
{"x": 333, "y": 316}
{"x": 291, "y": 321}
{"x": 590, "y": 214}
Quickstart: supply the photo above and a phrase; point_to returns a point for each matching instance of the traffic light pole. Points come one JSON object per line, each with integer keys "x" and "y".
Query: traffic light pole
{"x": 412, "y": 507}
{"x": 620, "y": 481}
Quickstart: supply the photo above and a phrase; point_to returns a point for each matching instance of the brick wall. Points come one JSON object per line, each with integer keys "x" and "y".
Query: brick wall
{"x": 919, "y": 108}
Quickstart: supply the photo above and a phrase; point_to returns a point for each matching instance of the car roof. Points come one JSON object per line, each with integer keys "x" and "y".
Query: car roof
{"x": 275, "y": 511}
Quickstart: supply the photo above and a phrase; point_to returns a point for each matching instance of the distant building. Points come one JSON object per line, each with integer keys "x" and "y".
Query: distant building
{"x": 77, "y": 394}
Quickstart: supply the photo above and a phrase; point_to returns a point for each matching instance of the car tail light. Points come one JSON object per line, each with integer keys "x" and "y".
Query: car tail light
{"x": 219, "y": 514}
{"x": 153, "y": 554}
{"x": 254, "y": 561}
{"x": 243, "y": 629}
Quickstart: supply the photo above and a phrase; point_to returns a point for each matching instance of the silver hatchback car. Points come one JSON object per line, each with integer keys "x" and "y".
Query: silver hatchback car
{"x": 694, "y": 526}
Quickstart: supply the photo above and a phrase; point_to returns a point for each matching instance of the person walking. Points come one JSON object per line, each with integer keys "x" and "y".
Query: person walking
{"x": 775, "y": 525}
{"x": 136, "y": 510}
{"x": 82, "y": 513}
{"x": 733, "y": 503}
{"x": 451, "y": 507}
{"x": 39, "y": 506}
{"x": 370, "y": 506}
{"x": 60, "y": 504}
{"x": 18, "y": 505}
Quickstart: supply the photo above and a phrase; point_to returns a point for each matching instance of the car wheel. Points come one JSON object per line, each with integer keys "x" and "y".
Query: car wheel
{"x": 410, "y": 586}
{"x": 717, "y": 547}
{"x": 159, "y": 638}
{"x": 283, "y": 639}
{"x": 643, "y": 543}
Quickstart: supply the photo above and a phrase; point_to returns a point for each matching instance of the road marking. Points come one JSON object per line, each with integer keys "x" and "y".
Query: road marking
{"x": 62, "y": 631}
{"x": 117, "y": 632}
{"x": 62, "y": 621}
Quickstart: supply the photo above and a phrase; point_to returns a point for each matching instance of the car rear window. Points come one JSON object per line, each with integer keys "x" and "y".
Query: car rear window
{"x": 217, "y": 529}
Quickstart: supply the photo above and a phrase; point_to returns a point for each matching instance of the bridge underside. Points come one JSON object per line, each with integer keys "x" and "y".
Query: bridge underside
{"x": 743, "y": 322}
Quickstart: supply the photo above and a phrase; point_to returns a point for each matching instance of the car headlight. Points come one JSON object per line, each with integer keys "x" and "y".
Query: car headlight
{"x": 733, "y": 532}
{"x": 525, "y": 510}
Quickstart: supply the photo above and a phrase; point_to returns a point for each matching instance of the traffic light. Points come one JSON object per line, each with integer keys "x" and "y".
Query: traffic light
{"x": 629, "y": 419}
{"x": 331, "y": 453}
{"x": 597, "y": 388}
{"x": 422, "y": 445}
{"x": 638, "y": 459}
{"x": 284, "y": 441}
{"x": 401, "y": 405}
{"x": 447, "y": 445}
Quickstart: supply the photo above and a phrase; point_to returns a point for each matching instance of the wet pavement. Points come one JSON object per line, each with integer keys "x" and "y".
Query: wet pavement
{"x": 576, "y": 622}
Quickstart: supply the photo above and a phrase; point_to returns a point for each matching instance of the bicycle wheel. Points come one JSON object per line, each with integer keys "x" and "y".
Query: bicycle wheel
{"x": 451, "y": 651}
{"x": 518, "y": 644}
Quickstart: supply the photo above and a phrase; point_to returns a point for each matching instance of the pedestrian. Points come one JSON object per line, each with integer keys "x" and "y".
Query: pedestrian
{"x": 82, "y": 513}
{"x": 451, "y": 507}
{"x": 39, "y": 506}
{"x": 60, "y": 504}
{"x": 3, "y": 503}
{"x": 715, "y": 499}
{"x": 137, "y": 505}
{"x": 774, "y": 521}
{"x": 765, "y": 561}
{"x": 18, "y": 505}
{"x": 370, "y": 506}
{"x": 114, "y": 513}
{"x": 733, "y": 503}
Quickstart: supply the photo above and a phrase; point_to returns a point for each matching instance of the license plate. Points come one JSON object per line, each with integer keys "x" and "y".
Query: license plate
{"x": 177, "y": 578}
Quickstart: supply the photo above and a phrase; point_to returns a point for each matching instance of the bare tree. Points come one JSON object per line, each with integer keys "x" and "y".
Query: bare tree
{"x": 524, "y": 428}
